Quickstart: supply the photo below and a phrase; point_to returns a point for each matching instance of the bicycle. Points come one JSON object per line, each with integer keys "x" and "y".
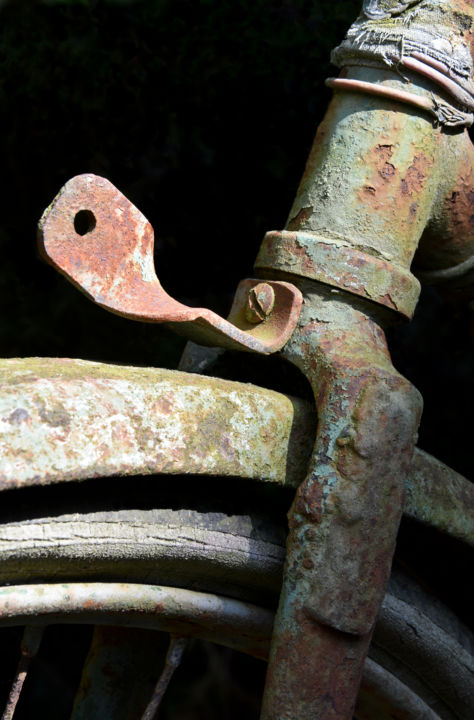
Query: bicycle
{"x": 345, "y": 440}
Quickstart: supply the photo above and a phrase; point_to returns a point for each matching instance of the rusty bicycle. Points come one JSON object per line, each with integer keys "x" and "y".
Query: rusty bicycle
{"x": 390, "y": 173}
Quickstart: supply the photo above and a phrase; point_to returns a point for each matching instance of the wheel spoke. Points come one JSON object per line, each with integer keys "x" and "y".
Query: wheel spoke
{"x": 173, "y": 659}
{"x": 30, "y": 643}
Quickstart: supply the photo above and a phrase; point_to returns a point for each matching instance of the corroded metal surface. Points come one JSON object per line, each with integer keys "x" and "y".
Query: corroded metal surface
{"x": 236, "y": 624}
{"x": 335, "y": 263}
{"x": 261, "y": 301}
{"x": 345, "y": 517}
{"x": 376, "y": 172}
{"x": 100, "y": 241}
{"x": 446, "y": 252}
{"x": 365, "y": 202}
{"x": 404, "y": 635}
{"x": 439, "y": 497}
{"x": 30, "y": 644}
{"x": 70, "y": 419}
{"x": 370, "y": 189}
{"x": 172, "y": 662}
{"x": 80, "y": 420}
{"x": 380, "y": 165}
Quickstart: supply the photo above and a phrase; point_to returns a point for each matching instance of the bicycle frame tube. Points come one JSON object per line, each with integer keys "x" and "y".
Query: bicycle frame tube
{"x": 380, "y": 180}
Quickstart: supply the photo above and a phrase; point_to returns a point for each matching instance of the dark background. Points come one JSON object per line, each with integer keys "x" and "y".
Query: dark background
{"x": 202, "y": 112}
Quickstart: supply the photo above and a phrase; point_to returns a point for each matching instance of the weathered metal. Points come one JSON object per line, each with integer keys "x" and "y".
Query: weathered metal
{"x": 66, "y": 420}
{"x": 87, "y": 420}
{"x": 368, "y": 190}
{"x": 402, "y": 632}
{"x": 236, "y": 624}
{"x": 383, "y": 163}
{"x": 261, "y": 301}
{"x": 333, "y": 262}
{"x": 432, "y": 39}
{"x": 345, "y": 517}
{"x": 173, "y": 660}
{"x": 445, "y": 256}
{"x": 380, "y": 181}
{"x": 30, "y": 643}
{"x": 95, "y": 237}
{"x": 439, "y": 497}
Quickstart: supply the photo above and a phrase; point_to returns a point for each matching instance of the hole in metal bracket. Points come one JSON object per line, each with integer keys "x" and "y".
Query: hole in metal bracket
{"x": 84, "y": 222}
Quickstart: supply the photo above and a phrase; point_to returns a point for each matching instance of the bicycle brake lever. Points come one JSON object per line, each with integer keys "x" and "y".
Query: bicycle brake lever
{"x": 103, "y": 244}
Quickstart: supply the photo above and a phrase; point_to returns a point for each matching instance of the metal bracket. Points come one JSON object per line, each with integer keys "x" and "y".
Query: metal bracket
{"x": 103, "y": 244}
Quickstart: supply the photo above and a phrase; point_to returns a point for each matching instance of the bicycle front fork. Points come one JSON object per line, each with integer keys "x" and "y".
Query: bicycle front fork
{"x": 391, "y": 171}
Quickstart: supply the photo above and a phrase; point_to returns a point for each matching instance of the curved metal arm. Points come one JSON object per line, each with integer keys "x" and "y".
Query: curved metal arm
{"x": 103, "y": 244}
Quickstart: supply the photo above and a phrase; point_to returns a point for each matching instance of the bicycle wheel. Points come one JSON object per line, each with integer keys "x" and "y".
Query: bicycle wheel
{"x": 420, "y": 664}
{"x": 218, "y": 541}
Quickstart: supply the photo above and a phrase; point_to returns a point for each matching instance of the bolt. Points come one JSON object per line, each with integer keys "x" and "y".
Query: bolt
{"x": 346, "y": 437}
{"x": 261, "y": 300}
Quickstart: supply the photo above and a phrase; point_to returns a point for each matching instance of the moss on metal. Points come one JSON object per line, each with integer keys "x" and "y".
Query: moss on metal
{"x": 72, "y": 419}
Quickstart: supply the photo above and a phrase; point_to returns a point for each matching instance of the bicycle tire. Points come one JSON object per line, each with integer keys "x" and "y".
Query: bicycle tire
{"x": 419, "y": 645}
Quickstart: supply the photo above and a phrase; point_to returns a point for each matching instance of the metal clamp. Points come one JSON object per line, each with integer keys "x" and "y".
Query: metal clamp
{"x": 103, "y": 244}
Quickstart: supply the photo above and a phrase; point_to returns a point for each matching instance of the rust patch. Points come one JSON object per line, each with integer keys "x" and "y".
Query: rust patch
{"x": 165, "y": 405}
{"x": 300, "y": 219}
{"x": 340, "y": 265}
{"x": 416, "y": 176}
{"x": 387, "y": 171}
{"x": 383, "y": 173}
{"x": 461, "y": 205}
{"x": 458, "y": 210}
{"x": 449, "y": 239}
{"x": 384, "y": 153}
{"x": 113, "y": 265}
{"x": 92, "y": 605}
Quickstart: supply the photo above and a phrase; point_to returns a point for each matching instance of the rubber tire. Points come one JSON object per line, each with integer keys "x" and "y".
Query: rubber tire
{"x": 416, "y": 639}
